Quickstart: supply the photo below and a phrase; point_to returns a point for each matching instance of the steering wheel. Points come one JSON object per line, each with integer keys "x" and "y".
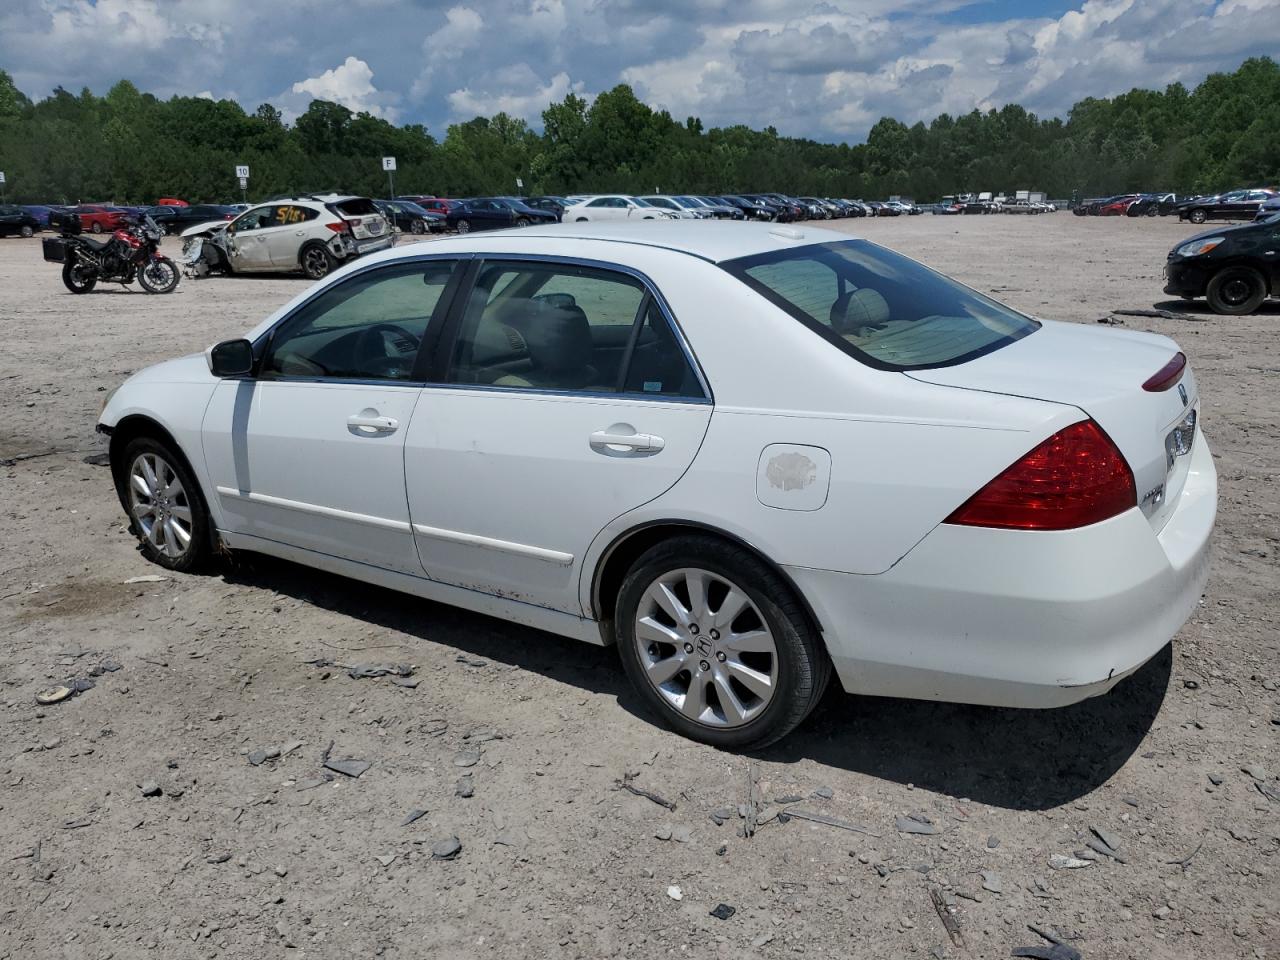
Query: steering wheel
{"x": 373, "y": 342}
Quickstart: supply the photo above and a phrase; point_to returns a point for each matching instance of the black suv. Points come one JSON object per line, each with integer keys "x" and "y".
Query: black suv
{"x": 1234, "y": 268}
{"x": 16, "y": 220}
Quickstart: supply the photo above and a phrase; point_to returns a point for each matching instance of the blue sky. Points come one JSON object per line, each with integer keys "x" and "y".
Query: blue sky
{"x": 826, "y": 69}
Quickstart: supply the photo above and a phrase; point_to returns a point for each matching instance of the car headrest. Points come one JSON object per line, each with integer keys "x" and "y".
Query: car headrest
{"x": 558, "y": 338}
{"x": 857, "y": 309}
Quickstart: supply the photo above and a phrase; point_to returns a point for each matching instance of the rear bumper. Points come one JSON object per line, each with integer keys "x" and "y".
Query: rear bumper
{"x": 1020, "y": 619}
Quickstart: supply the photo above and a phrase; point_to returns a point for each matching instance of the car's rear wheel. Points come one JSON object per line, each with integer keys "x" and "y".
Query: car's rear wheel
{"x": 418, "y": 227}
{"x": 718, "y": 644}
{"x": 522, "y": 221}
{"x": 26, "y": 231}
{"x": 166, "y": 510}
{"x": 1236, "y": 291}
{"x": 96, "y": 228}
{"x": 1198, "y": 215}
{"x": 317, "y": 262}
{"x": 464, "y": 226}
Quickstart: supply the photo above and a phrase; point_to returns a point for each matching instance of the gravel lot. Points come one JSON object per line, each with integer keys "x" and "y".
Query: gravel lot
{"x": 248, "y": 860}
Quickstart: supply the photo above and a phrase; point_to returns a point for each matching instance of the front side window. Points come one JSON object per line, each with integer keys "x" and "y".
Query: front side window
{"x": 254, "y": 219}
{"x": 367, "y": 328}
{"x": 878, "y": 306}
{"x": 568, "y": 328}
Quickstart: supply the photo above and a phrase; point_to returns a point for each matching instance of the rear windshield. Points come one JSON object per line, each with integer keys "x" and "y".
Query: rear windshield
{"x": 355, "y": 207}
{"x": 878, "y": 306}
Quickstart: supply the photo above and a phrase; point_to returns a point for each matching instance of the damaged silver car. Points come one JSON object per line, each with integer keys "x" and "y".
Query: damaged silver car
{"x": 311, "y": 234}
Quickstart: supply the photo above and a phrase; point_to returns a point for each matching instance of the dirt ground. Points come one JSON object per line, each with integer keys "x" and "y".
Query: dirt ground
{"x": 245, "y": 860}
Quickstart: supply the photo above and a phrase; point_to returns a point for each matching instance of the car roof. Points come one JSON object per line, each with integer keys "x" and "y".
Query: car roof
{"x": 714, "y": 240}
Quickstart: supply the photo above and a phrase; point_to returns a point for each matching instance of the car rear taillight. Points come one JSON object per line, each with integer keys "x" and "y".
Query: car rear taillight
{"x": 1168, "y": 375}
{"x": 341, "y": 226}
{"x": 1075, "y": 478}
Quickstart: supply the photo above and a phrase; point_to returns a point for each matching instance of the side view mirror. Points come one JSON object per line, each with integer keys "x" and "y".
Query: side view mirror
{"x": 230, "y": 358}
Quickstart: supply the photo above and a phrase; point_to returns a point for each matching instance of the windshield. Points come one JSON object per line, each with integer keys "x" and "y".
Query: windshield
{"x": 641, "y": 203}
{"x": 881, "y": 307}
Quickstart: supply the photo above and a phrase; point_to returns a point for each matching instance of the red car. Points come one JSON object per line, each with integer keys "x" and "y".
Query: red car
{"x": 435, "y": 204}
{"x": 1117, "y": 207}
{"x": 98, "y": 219}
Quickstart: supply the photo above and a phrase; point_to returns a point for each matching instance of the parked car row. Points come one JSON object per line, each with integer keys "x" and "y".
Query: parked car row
{"x": 1231, "y": 205}
{"x": 984, "y": 203}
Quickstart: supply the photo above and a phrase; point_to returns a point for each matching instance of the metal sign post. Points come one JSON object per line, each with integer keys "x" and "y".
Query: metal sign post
{"x": 389, "y": 165}
{"x": 242, "y": 172}
{"x": 519, "y": 185}
{"x": 1, "y": 186}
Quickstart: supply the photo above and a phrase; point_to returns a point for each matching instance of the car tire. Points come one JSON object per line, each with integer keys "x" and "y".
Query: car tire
{"x": 1235, "y": 291}
{"x": 419, "y": 227}
{"x": 464, "y": 226}
{"x": 316, "y": 261}
{"x": 165, "y": 514}
{"x": 522, "y": 221}
{"x": 1152, "y": 212}
{"x": 26, "y": 232}
{"x": 1198, "y": 215}
{"x": 581, "y": 220}
{"x": 790, "y": 655}
{"x": 96, "y": 228}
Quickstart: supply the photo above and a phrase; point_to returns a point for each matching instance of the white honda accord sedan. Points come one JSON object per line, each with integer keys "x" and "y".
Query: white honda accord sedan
{"x": 747, "y": 455}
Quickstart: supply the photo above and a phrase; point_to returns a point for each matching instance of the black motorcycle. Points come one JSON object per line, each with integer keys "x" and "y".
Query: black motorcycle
{"x": 131, "y": 253}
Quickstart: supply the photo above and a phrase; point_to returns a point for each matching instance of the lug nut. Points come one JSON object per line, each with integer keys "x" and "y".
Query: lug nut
{"x": 688, "y": 648}
{"x": 693, "y": 628}
{"x": 721, "y": 657}
{"x": 704, "y": 665}
{"x": 715, "y": 634}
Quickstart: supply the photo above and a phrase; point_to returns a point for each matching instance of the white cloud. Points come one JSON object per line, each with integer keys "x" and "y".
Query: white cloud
{"x": 350, "y": 84}
{"x": 466, "y": 103}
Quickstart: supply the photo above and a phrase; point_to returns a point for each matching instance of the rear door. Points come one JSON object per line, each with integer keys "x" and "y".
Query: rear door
{"x": 292, "y": 225}
{"x": 566, "y": 398}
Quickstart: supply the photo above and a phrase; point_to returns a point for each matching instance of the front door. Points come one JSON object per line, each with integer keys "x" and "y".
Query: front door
{"x": 247, "y": 237}
{"x": 310, "y": 451}
{"x": 567, "y": 400}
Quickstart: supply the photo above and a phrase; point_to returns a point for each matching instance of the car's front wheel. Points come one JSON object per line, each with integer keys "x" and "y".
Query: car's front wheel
{"x": 464, "y": 226}
{"x": 1236, "y": 291}
{"x": 26, "y": 231}
{"x": 718, "y": 644}
{"x": 166, "y": 511}
{"x": 1198, "y": 215}
{"x": 418, "y": 227}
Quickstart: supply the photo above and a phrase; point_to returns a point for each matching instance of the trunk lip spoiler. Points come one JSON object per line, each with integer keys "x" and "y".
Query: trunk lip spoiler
{"x": 1167, "y": 376}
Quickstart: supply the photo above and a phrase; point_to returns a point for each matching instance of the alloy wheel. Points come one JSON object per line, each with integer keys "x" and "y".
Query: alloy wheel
{"x": 315, "y": 263}
{"x": 705, "y": 647}
{"x": 160, "y": 506}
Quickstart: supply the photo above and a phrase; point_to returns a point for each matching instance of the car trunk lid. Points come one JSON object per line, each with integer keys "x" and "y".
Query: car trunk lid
{"x": 1101, "y": 372}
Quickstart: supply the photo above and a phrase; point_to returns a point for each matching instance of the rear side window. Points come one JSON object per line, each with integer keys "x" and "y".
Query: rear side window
{"x": 878, "y": 306}
{"x": 568, "y": 328}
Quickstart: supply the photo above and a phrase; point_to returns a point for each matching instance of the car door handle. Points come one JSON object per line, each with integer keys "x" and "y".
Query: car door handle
{"x": 613, "y": 440}
{"x": 363, "y": 424}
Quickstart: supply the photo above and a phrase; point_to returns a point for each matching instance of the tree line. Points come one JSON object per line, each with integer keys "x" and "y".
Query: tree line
{"x": 129, "y": 146}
